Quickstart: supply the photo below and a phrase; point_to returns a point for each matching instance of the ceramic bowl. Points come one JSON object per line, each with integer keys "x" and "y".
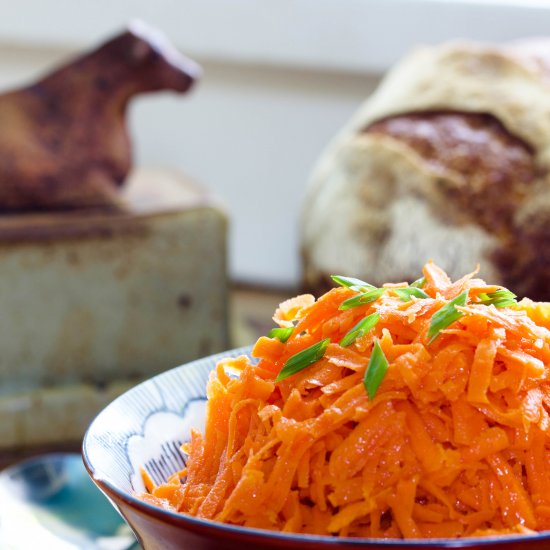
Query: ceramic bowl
{"x": 146, "y": 427}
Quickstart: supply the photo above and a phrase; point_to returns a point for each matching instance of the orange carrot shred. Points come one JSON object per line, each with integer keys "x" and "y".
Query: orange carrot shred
{"x": 455, "y": 443}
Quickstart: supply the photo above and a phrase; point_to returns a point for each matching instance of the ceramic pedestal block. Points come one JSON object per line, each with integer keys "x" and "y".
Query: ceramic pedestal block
{"x": 91, "y": 303}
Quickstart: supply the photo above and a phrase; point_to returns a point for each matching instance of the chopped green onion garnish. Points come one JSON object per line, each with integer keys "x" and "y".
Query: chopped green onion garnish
{"x": 419, "y": 283}
{"x": 499, "y": 298}
{"x": 407, "y": 292}
{"x": 282, "y": 334}
{"x": 447, "y": 315}
{"x": 361, "y": 328}
{"x": 376, "y": 370}
{"x": 351, "y": 282}
{"x": 362, "y": 299}
{"x": 303, "y": 359}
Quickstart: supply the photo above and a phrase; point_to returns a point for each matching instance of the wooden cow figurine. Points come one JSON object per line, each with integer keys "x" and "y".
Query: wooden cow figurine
{"x": 63, "y": 140}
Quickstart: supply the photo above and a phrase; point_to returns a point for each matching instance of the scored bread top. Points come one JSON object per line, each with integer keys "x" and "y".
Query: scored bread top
{"x": 511, "y": 82}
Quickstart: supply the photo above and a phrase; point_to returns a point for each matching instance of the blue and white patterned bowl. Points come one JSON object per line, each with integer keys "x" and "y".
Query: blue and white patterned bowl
{"x": 146, "y": 427}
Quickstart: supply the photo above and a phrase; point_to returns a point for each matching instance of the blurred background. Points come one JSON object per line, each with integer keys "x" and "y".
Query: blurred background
{"x": 88, "y": 314}
{"x": 281, "y": 78}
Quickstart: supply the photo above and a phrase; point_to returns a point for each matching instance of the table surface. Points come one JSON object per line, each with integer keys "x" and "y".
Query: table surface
{"x": 251, "y": 312}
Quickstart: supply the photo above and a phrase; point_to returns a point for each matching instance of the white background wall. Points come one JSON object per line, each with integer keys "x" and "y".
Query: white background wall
{"x": 281, "y": 77}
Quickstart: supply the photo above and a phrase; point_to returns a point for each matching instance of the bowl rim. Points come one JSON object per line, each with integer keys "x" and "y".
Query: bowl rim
{"x": 186, "y": 521}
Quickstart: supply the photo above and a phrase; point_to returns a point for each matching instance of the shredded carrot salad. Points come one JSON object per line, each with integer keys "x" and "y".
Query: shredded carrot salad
{"x": 430, "y": 419}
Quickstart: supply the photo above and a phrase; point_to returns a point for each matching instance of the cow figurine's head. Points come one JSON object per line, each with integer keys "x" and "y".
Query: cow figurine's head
{"x": 64, "y": 143}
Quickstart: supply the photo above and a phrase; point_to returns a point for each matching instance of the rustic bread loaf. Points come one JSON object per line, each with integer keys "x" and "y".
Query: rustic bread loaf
{"x": 449, "y": 160}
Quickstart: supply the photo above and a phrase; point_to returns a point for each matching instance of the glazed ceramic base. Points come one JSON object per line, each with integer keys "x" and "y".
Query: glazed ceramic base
{"x": 52, "y": 416}
{"x": 90, "y": 300}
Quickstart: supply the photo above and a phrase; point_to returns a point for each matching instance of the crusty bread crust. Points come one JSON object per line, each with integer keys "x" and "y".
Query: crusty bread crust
{"x": 378, "y": 208}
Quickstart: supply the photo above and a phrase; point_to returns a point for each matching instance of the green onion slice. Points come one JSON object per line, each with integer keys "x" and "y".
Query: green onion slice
{"x": 447, "y": 315}
{"x": 282, "y": 334}
{"x": 303, "y": 359}
{"x": 499, "y": 298}
{"x": 419, "y": 283}
{"x": 361, "y": 328}
{"x": 406, "y": 293}
{"x": 362, "y": 299}
{"x": 376, "y": 370}
{"x": 352, "y": 282}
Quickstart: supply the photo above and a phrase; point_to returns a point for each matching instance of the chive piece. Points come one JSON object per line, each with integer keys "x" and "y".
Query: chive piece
{"x": 376, "y": 370}
{"x": 406, "y": 293}
{"x": 282, "y": 334}
{"x": 351, "y": 282}
{"x": 447, "y": 315}
{"x": 303, "y": 359}
{"x": 499, "y": 298}
{"x": 419, "y": 283}
{"x": 362, "y": 299}
{"x": 361, "y": 328}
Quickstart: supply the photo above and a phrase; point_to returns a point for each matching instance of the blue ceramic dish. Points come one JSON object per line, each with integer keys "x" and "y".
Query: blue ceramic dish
{"x": 147, "y": 425}
{"x": 49, "y": 502}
